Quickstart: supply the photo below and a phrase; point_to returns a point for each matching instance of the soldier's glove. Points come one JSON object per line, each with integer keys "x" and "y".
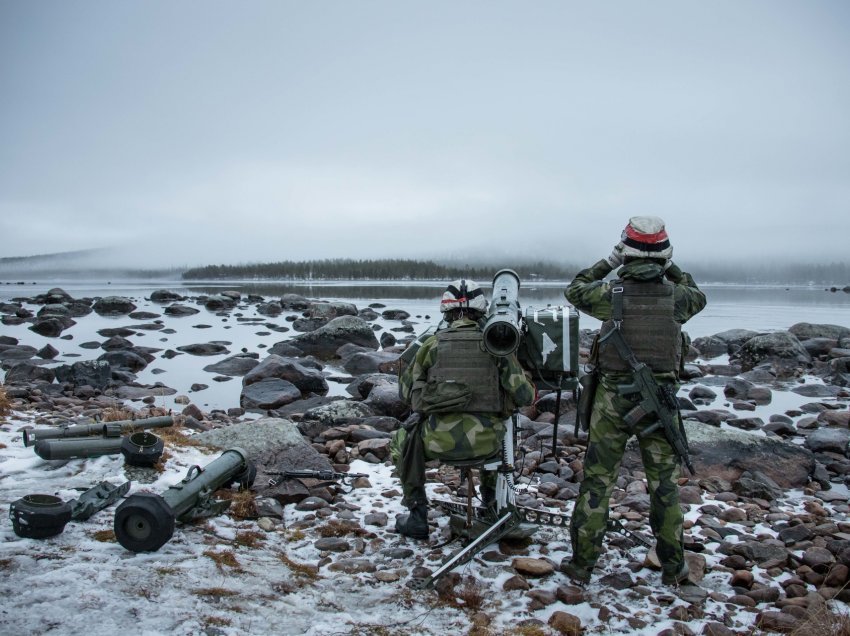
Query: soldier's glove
{"x": 616, "y": 258}
{"x": 672, "y": 272}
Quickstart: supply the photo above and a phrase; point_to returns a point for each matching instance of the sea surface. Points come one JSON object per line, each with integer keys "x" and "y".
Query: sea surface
{"x": 759, "y": 308}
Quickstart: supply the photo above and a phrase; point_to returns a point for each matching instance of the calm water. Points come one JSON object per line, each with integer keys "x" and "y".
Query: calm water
{"x": 756, "y": 308}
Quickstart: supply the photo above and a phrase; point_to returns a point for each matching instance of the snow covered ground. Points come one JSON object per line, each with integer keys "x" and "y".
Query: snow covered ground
{"x": 228, "y": 576}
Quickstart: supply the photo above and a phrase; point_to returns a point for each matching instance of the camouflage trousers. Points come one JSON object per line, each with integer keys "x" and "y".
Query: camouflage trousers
{"x": 445, "y": 437}
{"x": 608, "y": 437}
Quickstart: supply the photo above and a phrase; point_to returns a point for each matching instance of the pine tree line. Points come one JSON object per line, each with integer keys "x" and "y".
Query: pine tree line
{"x": 377, "y": 269}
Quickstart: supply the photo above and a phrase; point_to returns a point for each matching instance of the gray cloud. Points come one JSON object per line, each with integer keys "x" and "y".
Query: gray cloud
{"x": 234, "y": 132}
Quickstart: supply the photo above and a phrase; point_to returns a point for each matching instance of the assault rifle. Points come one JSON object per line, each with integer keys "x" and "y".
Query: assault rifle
{"x": 323, "y": 475}
{"x": 660, "y": 402}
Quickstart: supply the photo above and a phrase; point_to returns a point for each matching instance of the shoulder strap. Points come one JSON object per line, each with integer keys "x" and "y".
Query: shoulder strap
{"x": 615, "y": 335}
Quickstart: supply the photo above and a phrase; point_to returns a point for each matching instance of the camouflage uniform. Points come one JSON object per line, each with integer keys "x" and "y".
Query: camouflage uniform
{"x": 452, "y": 435}
{"x": 609, "y": 433}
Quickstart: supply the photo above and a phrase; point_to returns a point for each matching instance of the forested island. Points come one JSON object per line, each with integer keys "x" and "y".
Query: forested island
{"x": 410, "y": 269}
{"x": 102, "y": 263}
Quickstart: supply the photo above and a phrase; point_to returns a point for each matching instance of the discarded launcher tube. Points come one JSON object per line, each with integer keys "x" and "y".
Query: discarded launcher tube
{"x": 139, "y": 449}
{"x": 145, "y": 522}
{"x": 99, "y": 429}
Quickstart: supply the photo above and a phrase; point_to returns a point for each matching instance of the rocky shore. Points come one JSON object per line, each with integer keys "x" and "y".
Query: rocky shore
{"x": 767, "y": 528}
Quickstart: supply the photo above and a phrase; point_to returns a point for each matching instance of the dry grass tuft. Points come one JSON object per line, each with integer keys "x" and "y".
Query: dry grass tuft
{"x": 214, "y": 592}
{"x": 250, "y": 539}
{"x": 5, "y": 564}
{"x": 217, "y": 621}
{"x": 299, "y": 569}
{"x": 243, "y": 504}
{"x": 176, "y": 436}
{"x": 825, "y": 622}
{"x": 2, "y": 446}
{"x": 165, "y": 571}
{"x": 5, "y": 403}
{"x": 113, "y": 414}
{"x": 338, "y": 528}
{"x": 471, "y": 594}
{"x": 221, "y": 559}
{"x": 295, "y": 535}
{"x": 159, "y": 466}
{"x": 105, "y": 536}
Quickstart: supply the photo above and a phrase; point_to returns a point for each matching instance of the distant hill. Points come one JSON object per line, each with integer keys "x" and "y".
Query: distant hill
{"x": 102, "y": 262}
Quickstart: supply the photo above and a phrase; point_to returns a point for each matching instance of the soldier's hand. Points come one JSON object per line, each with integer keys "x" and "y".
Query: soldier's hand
{"x": 672, "y": 272}
{"x": 616, "y": 257}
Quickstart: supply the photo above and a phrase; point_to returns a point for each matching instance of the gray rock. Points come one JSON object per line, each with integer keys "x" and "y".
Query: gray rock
{"x": 177, "y": 310}
{"x": 307, "y": 379}
{"x": 781, "y": 346}
{"x": 325, "y": 341}
{"x": 13, "y": 352}
{"x": 806, "y": 331}
{"x": 130, "y": 359}
{"x": 51, "y": 326}
{"x": 94, "y": 373}
{"x": 384, "y": 400}
{"x": 204, "y": 349}
{"x": 26, "y": 372}
{"x": 165, "y": 296}
{"x": 268, "y": 394}
{"x": 237, "y": 365}
{"x": 816, "y": 390}
{"x": 113, "y": 306}
{"x": 330, "y": 310}
{"x": 343, "y": 410}
{"x": 829, "y": 440}
{"x": 371, "y": 362}
{"x": 726, "y": 454}
{"x": 294, "y": 302}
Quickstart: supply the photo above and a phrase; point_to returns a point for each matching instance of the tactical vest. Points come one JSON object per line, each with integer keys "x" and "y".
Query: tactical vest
{"x": 461, "y": 358}
{"x": 647, "y": 326}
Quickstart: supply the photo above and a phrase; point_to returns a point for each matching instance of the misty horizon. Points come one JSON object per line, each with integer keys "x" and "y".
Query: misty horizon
{"x": 204, "y": 132}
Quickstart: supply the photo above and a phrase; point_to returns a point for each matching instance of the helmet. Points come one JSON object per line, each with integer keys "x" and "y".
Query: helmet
{"x": 645, "y": 237}
{"x": 463, "y": 294}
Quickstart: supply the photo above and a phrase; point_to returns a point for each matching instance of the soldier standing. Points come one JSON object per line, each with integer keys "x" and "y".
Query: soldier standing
{"x": 648, "y": 303}
{"x": 462, "y": 396}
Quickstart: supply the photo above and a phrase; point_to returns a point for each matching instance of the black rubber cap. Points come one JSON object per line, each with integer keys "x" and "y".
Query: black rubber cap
{"x": 144, "y": 522}
{"x": 39, "y": 516}
{"x": 245, "y": 479}
{"x": 142, "y": 449}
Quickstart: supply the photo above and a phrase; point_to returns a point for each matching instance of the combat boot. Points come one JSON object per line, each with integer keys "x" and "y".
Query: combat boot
{"x": 414, "y": 524}
{"x": 676, "y": 578}
{"x": 578, "y": 574}
{"x": 488, "y": 497}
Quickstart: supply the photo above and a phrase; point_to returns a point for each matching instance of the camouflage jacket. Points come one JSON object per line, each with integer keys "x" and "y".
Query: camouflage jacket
{"x": 589, "y": 293}
{"x": 465, "y": 435}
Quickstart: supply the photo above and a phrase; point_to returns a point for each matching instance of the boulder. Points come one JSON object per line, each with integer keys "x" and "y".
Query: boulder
{"x": 727, "y": 453}
{"x": 806, "y": 331}
{"x": 25, "y": 372}
{"x": 371, "y": 362}
{"x": 735, "y": 338}
{"x": 328, "y": 311}
{"x": 204, "y": 349}
{"x": 325, "y": 341}
{"x": 338, "y": 411}
{"x": 384, "y": 400}
{"x": 165, "y": 296}
{"x": 780, "y": 346}
{"x": 395, "y": 314}
{"x": 294, "y": 302}
{"x": 51, "y": 326}
{"x": 268, "y": 394}
{"x": 12, "y": 352}
{"x": 828, "y": 440}
{"x": 711, "y": 346}
{"x": 237, "y": 365}
{"x": 219, "y": 301}
{"x": 113, "y": 306}
{"x": 178, "y": 310}
{"x": 307, "y": 379}
{"x": 94, "y": 373}
{"x": 125, "y": 359}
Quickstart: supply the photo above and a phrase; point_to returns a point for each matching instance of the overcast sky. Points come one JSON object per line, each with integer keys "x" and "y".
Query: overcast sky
{"x": 226, "y": 132}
